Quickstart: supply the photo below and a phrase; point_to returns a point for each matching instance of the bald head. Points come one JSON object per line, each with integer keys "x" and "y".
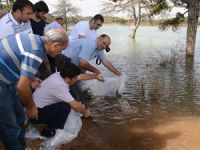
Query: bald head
{"x": 56, "y": 40}
{"x": 104, "y": 41}
{"x": 57, "y": 35}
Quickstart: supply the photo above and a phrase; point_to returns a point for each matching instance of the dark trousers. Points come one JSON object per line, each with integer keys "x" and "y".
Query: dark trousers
{"x": 54, "y": 115}
{"x": 11, "y": 119}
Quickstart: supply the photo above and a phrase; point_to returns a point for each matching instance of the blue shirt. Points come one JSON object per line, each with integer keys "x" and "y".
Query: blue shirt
{"x": 85, "y": 49}
{"x": 20, "y": 54}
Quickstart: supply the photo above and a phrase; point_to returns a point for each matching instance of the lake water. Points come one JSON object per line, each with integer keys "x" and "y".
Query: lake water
{"x": 165, "y": 102}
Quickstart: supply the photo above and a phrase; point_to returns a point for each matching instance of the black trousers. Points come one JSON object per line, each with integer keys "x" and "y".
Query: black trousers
{"x": 54, "y": 115}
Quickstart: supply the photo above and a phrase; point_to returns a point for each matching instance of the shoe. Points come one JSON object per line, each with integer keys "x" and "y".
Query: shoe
{"x": 48, "y": 132}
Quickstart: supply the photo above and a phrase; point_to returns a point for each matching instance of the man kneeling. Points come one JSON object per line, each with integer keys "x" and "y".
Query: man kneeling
{"x": 54, "y": 100}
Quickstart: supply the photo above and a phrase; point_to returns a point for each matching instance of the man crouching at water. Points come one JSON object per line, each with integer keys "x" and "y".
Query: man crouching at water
{"x": 54, "y": 100}
{"x": 20, "y": 58}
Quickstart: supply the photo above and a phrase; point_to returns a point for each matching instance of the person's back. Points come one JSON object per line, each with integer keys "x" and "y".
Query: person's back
{"x": 15, "y": 55}
{"x": 81, "y": 48}
{"x": 18, "y": 20}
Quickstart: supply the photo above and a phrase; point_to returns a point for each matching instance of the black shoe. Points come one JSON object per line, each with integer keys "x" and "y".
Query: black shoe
{"x": 48, "y": 132}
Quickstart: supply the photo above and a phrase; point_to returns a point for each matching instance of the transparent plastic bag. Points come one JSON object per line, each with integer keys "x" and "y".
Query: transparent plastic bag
{"x": 33, "y": 133}
{"x": 63, "y": 136}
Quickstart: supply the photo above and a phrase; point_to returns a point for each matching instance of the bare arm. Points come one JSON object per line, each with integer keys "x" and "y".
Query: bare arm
{"x": 79, "y": 108}
{"x": 25, "y": 94}
{"x": 87, "y": 66}
{"x": 110, "y": 67}
{"x": 90, "y": 77}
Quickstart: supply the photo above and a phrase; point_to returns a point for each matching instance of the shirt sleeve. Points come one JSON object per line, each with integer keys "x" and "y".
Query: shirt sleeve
{"x": 32, "y": 58}
{"x": 101, "y": 55}
{"x": 30, "y": 65}
{"x": 81, "y": 29}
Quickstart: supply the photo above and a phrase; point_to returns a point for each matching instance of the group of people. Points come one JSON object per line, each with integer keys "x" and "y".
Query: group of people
{"x": 39, "y": 64}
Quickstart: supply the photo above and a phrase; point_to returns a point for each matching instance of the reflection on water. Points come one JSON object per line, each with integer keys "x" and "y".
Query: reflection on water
{"x": 169, "y": 121}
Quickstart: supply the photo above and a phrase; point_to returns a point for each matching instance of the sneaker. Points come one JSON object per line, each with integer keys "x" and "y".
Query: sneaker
{"x": 48, "y": 132}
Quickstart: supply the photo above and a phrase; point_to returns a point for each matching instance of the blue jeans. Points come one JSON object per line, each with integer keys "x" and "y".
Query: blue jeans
{"x": 11, "y": 119}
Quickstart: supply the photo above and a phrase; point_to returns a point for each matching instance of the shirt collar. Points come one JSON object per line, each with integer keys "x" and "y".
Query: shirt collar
{"x": 13, "y": 19}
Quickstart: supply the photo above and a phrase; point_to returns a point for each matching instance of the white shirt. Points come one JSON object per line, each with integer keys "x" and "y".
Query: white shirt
{"x": 53, "y": 25}
{"x": 52, "y": 90}
{"x": 82, "y": 28}
{"x": 9, "y": 26}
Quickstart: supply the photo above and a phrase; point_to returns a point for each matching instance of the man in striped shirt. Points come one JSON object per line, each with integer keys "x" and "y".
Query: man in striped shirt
{"x": 20, "y": 57}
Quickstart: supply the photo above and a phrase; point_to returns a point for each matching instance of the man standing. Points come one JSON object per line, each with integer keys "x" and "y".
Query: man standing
{"x": 20, "y": 57}
{"x": 17, "y": 20}
{"x": 38, "y": 19}
{"x": 86, "y": 29}
{"x": 83, "y": 50}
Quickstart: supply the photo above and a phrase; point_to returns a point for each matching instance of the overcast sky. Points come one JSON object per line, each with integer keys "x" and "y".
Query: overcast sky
{"x": 88, "y": 7}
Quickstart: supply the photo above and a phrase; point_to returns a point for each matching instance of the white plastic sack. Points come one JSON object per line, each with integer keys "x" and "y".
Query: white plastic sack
{"x": 63, "y": 136}
{"x": 110, "y": 87}
{"x": 33, "y": 133}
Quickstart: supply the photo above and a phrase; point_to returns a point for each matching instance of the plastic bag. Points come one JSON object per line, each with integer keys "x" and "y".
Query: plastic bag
{"x": 33, "y": 133}
{"x": 63, "y": 136}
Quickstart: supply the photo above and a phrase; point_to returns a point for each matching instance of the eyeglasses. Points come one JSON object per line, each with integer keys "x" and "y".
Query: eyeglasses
{"x": 107, "y": 47}
{"x": 98, "y": 24}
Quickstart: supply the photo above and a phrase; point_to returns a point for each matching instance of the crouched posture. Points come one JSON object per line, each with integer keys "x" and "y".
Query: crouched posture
{"x": 54, "y": 100}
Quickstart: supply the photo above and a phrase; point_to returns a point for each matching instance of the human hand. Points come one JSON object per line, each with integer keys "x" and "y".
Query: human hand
{"x": 32, "y": 112}
{"x": 35, "y": 83}
{"x": 97, "y": 72}
{"x": 100, "y": 78}
{"x": 87, "y": 113}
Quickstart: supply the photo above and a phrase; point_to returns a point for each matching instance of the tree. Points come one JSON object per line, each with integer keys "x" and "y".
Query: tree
{"x": 135, "y": 9}
{"x": 65, "y": 9}
{"x": 192, "y": 9}
{"x": 5, "y": 6}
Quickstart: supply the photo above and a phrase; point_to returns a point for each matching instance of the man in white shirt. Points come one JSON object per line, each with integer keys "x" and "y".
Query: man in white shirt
{"x": 58, "y": 23}
{"x": 54, "y": 100}
{"x": 17, "y": 20}
{"x": 86, "y": 29}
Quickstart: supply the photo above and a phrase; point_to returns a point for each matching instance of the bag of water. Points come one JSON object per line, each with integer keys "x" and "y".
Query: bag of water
{"x": 63, "y": 136}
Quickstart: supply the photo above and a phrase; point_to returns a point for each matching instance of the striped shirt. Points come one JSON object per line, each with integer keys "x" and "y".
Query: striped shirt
{"x": 20, "y": 54}
{"x": 9, "y": 26}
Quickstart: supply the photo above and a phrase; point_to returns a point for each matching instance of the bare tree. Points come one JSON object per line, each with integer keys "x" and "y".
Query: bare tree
{"x": 65, "y": 9}
{"x": 135, "y": 9}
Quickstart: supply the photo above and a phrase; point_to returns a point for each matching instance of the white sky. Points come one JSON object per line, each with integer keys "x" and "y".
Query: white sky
{"x": 88, "y": 7}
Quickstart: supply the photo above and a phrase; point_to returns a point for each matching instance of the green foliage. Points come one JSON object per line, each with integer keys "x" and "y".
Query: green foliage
{"x": 157, "y": 6}
{"x": 174, "y": 22}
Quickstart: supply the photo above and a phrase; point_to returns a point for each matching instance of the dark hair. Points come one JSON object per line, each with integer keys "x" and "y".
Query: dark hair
{"x": 66, "y": 68}
{"x": 98, "y": 17}
{"x": 40, "y": 7}
{"x": 59, "y": 18}
{"x": 20, "y": 4}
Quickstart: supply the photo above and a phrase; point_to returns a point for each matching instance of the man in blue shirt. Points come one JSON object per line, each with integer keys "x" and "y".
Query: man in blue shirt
{"x": 81, "y": 51}
{"x": 20, "y": 57}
